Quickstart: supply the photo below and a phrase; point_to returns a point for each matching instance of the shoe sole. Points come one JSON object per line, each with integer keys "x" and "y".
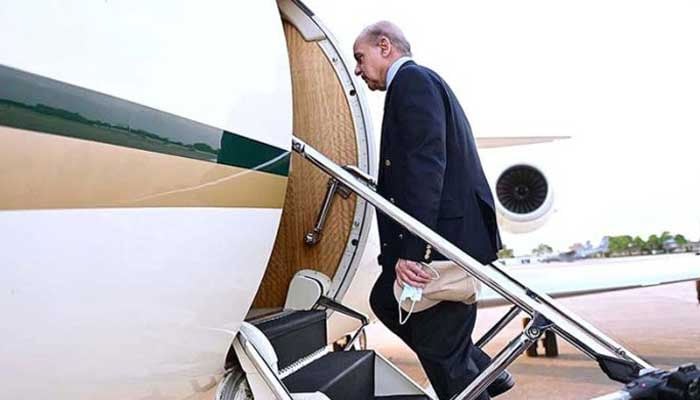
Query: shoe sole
{"x": 501, "y": 388}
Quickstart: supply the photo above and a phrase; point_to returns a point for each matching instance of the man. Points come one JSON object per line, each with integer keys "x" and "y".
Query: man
{"x": 429, "y": 167}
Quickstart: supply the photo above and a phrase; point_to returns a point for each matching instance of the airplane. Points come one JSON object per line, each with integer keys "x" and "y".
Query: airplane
{"x": 670, "y": 245}
{"x": 581, "y": 252}
{"x": 154, "y": 213}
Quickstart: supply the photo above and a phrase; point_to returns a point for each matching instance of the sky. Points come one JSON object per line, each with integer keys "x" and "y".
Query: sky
{"x": 622, "y": 78}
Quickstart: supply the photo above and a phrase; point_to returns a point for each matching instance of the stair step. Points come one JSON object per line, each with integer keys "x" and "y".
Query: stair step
{"x": 294, "y": 334}
{"x": 339, "y": 375}
{"x": 403, "y": 397}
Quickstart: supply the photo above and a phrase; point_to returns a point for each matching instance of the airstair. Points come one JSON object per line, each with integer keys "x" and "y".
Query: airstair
{"x": 287, "y": 356}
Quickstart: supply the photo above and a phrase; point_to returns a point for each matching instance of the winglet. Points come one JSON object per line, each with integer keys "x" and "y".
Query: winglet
{"x": 510, "y": 141}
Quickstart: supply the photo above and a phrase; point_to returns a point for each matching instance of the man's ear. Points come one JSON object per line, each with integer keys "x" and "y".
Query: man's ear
{"x": 385, "y": 46}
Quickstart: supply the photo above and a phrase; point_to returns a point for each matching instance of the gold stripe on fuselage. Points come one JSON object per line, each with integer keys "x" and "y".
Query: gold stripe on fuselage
{"x": 44, "y": 171}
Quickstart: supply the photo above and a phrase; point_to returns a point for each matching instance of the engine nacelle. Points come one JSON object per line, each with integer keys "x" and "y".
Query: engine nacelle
{"x": 524, "y": 198}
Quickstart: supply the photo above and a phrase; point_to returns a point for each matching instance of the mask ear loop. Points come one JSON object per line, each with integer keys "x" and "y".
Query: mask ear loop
{"x": 436, "y": 274}
{"x": 403, "y": 321}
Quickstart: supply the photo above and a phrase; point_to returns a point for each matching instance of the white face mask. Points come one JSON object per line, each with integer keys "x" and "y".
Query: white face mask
{"x": 413, "y": 294}
{"x": 409, "y": 293}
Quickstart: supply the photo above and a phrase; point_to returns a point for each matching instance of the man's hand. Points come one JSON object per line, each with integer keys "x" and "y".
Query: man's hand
{"x": 410, "y": 272}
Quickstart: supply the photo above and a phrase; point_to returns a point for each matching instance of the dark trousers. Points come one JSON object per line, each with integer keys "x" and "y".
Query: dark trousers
{"x": 440, "y": 336}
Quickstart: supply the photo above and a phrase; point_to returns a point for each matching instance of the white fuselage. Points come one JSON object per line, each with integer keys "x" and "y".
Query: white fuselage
{"x": 128, "y": 300}
{"x": 118, "y": 300}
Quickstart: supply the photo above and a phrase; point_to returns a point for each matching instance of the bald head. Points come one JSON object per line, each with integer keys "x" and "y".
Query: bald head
{"x": 375, "y": 49}
{"x": 376, "y": 31}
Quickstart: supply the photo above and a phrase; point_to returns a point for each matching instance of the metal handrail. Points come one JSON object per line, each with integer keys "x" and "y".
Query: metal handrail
{"x": 583, "y": 324}
{"x": 569, "y": 326}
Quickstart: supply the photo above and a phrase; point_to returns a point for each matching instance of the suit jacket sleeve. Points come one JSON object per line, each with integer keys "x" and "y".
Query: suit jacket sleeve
{"x": 422, "y": 131}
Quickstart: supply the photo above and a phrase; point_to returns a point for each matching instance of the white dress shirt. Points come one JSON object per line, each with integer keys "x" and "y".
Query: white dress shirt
{"x": 394, "y": 68}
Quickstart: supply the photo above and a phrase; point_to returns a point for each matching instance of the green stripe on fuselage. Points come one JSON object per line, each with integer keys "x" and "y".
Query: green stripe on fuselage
{"x": 33, "y": 102}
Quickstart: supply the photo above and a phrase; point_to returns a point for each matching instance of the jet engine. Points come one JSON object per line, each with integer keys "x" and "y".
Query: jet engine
{"x": 524, "y": 198}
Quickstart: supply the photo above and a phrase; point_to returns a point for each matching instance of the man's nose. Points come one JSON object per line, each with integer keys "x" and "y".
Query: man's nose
{"x": 357, "y": 70}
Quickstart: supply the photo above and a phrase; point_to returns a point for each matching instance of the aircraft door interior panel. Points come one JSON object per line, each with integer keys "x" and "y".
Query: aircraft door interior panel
{"x": 328, "y": 113}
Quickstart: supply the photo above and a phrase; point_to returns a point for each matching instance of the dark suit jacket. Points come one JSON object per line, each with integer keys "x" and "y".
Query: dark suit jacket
{"x": 430, "y": 168}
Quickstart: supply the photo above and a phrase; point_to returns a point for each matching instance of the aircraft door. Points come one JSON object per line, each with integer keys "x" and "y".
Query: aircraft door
{"x": 331, "y": 115}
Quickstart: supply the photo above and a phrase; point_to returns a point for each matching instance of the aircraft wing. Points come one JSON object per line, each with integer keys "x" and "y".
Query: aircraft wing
{"x": 509, "y": 141}
{"x": 590, "y": 276}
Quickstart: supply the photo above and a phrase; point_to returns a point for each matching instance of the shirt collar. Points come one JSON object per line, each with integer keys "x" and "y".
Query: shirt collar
{"x": 394, "y": 68}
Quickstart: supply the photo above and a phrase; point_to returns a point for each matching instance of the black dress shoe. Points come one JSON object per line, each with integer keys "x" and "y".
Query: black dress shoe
{"x": 503, "y": 383}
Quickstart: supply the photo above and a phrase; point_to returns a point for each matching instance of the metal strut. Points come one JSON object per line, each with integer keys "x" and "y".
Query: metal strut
{"x": 516, "y": 347}
{"x": 498, "y": 327}
{"x": 566, "y": 324}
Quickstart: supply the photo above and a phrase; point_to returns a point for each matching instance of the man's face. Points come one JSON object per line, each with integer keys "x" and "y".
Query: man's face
{"x": 371, "y": 63}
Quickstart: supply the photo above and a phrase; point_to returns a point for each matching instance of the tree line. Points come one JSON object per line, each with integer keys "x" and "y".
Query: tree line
{"x": 624, "y": 245}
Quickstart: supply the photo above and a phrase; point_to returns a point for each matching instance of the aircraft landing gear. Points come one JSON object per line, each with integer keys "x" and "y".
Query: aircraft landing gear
{"x": 234, "y": 387}
{"x": 551, "y": 348}
{"x": 360, "y": 343}
{"x": 549, "y": 342}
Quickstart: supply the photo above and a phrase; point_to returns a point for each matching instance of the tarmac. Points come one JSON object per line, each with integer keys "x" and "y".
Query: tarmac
{"x": 660, "y": 324}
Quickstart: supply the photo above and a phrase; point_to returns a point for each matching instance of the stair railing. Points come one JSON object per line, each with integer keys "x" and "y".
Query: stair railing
{"x": 616, "y": 361}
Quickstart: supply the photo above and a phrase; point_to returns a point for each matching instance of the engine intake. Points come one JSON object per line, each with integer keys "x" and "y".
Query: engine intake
{"x": 524, "y": 198}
